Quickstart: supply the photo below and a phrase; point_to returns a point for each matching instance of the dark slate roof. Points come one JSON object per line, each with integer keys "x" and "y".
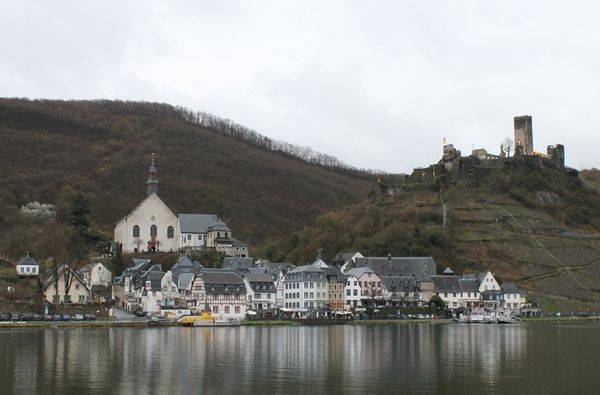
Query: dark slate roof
{"x": 446, "y": 284}
{"x": 28, "y": 261}
{"x": 359, "y": 271}
{"x": 469, "y": 285}
{"x": 419, "y": 267}
{"x": 219, "y": 226}
{"x": 307, "y": 268}
{"x": 510, "y": 288}
{"x": 345, "y": 256}
{"x": 399, "y": 284}
{"x": 237, "y": 243}
{"x": 238, "y": 263}
{"x": 283, "y": 266}
{"x": 334, "y": 273}
{"x": 261, "y": 275}
{"x": 222, "y": 282}
{"x": 196, "y": 223}
{"x": 155, "y": 278}
{"x": 184, "y": 280}
{"x": 185, "y": 265}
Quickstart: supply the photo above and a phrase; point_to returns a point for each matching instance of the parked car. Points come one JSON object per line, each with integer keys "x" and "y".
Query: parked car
{"x": 48, "y": 317}
{"x": 139, "y": 313}
{"x": 66, "y": 317}
{"x": 57, "y": 317}
{"x": 157, "y": 318}
{"x": 4, "y": 317}
{"x": 27, "y": 317}
{"x": 77, "y": 317}
{"x": 89, "y": 317}
{"x": 38, "y": 317}
{"x": 15, "y": 317}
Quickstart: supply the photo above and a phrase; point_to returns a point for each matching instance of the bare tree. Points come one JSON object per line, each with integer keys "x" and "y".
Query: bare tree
{"x": 507, "y": 145}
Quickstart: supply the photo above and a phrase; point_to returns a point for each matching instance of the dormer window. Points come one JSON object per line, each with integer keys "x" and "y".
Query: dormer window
{"x": 136, "y": 231}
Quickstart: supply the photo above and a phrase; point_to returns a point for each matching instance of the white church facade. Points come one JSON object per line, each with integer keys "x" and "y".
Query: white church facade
{"x": 152, "y": 226}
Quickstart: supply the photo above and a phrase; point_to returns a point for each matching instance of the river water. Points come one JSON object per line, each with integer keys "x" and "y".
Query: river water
{"x": 534, "y": 358}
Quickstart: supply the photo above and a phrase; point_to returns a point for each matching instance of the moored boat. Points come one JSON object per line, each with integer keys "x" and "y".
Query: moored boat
{"x": 205, "y": 318}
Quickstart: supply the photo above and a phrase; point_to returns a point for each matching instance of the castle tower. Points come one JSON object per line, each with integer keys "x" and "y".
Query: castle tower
{"x": 524, "y": 134}
{"x": 152, "y": 183}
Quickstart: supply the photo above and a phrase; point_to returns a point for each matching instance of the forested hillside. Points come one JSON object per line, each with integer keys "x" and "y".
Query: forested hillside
{"x": 51, "y": 150}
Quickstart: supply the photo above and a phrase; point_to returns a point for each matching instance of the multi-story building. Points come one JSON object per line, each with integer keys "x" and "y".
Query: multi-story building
{"x": 221, "y": 292}
{"x": 305, "y": 290}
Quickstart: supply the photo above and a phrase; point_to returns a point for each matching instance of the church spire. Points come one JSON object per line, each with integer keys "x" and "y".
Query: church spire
{"x": 152, "y": 183}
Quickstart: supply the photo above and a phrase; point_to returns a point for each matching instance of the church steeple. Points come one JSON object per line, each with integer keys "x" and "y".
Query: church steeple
{"x": 152, "y": 183}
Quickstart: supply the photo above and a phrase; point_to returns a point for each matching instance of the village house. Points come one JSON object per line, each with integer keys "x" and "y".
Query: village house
{"x": 221, "y": 292}
{"x": 353, "y": 295}
{"x": 514, "y": 298}
{"x": 97, "y": 274}
{"x": 28, "y": 267}
{"x": 369, "y": 284}
{"x": 66, "y": 285}
{"x": 469, "y": 291}
{"x": 406, "y": 280}
{"x": 305, "y": 290}
{"x": 261, "y": 292}
{"x": 336, "y": 285}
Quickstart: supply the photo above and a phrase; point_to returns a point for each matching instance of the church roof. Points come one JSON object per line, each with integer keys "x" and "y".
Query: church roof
{"x": 196, "y": 223}
{"x": 151, "y": 196}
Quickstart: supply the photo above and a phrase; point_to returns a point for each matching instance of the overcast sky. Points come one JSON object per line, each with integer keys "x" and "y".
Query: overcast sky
{"x": 379, "y": 84}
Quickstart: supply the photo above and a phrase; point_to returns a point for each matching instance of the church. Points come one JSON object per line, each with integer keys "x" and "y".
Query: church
{"x": 152, "y": 226}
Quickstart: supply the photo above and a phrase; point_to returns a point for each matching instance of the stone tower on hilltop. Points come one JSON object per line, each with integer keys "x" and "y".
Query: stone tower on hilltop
{"x": 524, "y": 134}
{"x": 152, "y": 183}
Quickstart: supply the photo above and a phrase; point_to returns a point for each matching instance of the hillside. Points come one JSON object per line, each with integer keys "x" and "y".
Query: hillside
{"x": 529, "y": 222}
{"x": 53, "y": 149}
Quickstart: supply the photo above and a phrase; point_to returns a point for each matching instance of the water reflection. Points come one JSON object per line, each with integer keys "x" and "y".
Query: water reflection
{"x": 410, "y": 358}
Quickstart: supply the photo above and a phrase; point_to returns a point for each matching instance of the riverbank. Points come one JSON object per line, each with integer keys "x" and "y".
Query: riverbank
{"x": 146, "y": 324}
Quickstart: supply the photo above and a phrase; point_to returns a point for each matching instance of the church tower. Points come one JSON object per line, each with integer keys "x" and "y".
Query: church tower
{"x": 152, "y": 183}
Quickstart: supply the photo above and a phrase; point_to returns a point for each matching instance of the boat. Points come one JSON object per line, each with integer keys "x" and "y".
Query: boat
{"x": 205, "y": 318}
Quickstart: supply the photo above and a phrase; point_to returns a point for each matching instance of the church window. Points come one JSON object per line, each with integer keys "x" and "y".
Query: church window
{"x": 170, "y": 232}
{"x": 153, "y": 231}
{"x": 136, "y": 231}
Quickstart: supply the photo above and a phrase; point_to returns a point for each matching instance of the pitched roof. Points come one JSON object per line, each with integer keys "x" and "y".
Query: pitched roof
{"x": 185, "y": 265}
{"x": 196, "y": 223}
{"x": 320, "y": 264}
{"x": 260, "y": 275}
{"x": 151, "y": 196}
{"x": 307, "y": 268}
{"x": 184, "y": 280}
{"x": 219, "y": 226}
{"x": 399, "y": 284}
{"x": 359, "y": 271}
{"x": 240, "y": 244}
{"x": 448, "y": 271}
{"x": 334, "y": 273}
{"x": 446, "y": 284}
{"x": 219, "y": 281}
{"x": 283, "y": 266}
{"x": 238, "y": 262}
{"x": 510, "y": 288}
{"x": 28, "y": 261}
{"x": 419, "y": 267}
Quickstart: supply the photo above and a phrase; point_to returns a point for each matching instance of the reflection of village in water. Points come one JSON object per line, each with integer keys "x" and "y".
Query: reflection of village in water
{"x": 172, "y": 360}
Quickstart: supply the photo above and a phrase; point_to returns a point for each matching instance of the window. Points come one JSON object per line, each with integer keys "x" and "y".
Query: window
{"x": 257, "y": 296}
{"x": 81, "y": 298}
{"x": 189, "y": 237}
{"x": 348, "y": 292}
{"x": 76, "y": 286}
{"x": 355, "y": 292}
{"x": 226, "y": 309}
{"x": 170, "y": 232}
{"x": 27, "y": 269}
{"x": 173, "y": 289}
{"x": 237, "y": 309}
{"x": 153, "y": 231}
{"x": 268, "y": 296}
{"x": 22, "y": 269}
{"x": 215, "y": 309}
{"x": 136, "y": 231}
{"x": 199, "y": 237}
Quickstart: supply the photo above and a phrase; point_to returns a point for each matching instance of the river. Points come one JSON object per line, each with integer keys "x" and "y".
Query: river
{"x": 536, "y": 358}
